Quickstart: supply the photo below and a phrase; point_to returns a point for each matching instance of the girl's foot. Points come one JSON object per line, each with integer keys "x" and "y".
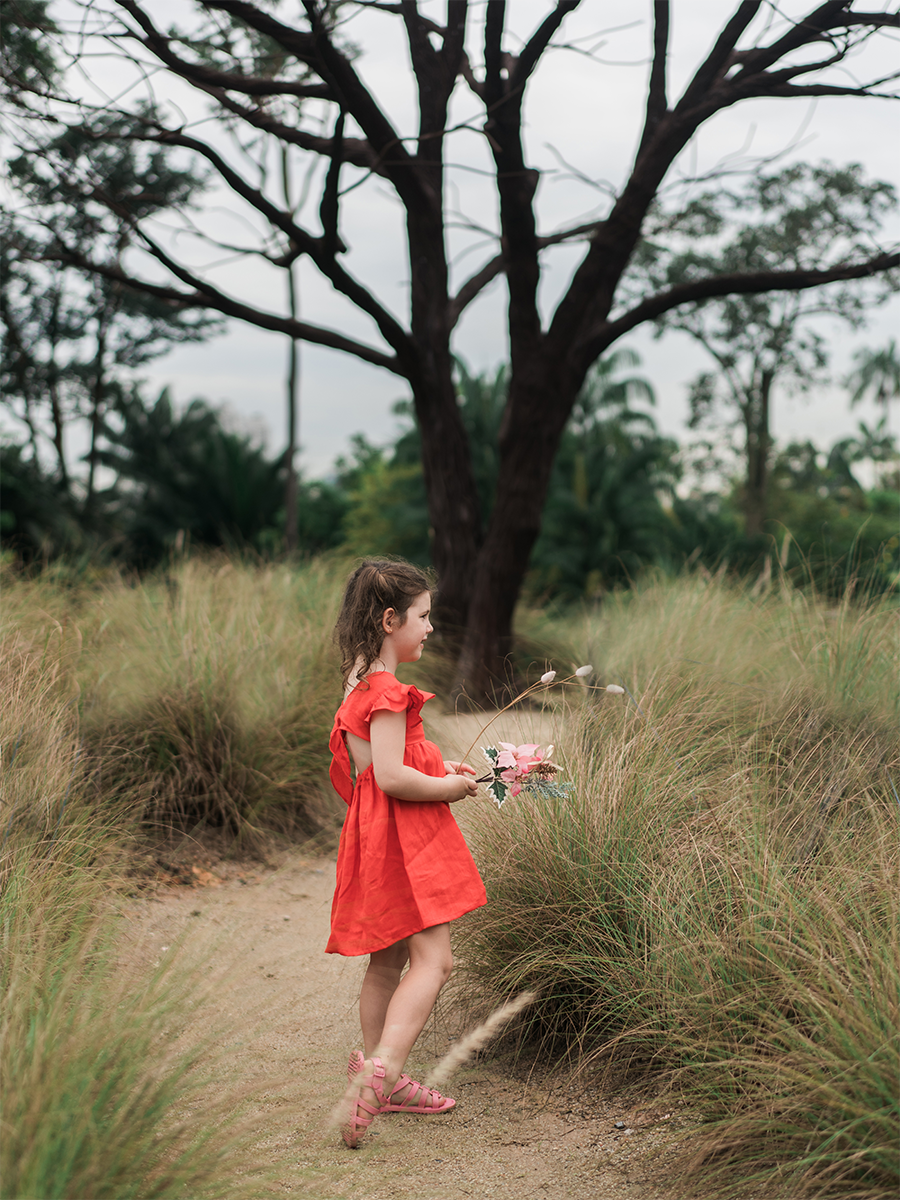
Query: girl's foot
{"x": 407, "y": 1095}
{"x": 364, "y": 1099}
{"x": 410, "y": 1096}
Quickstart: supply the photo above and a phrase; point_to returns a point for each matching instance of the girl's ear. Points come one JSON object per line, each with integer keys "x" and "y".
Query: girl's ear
{"x": 388, "y": 620}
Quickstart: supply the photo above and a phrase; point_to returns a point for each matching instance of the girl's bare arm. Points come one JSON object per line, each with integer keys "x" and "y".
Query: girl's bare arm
{"x": 387, "y": 731}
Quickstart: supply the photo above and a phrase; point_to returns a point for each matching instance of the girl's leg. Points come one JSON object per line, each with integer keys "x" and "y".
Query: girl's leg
{"x": 430, "y": 964}
{"x": 380, "y": 983}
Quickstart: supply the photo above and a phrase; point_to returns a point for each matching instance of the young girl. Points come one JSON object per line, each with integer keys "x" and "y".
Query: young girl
{"x": 403, "y": 870}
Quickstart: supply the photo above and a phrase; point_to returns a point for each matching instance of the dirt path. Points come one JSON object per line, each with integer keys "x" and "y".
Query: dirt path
{"x": 292, "y": 1013}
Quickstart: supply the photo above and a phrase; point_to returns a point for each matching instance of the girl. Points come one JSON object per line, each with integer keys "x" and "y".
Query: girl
{"x": 403, "y": 870}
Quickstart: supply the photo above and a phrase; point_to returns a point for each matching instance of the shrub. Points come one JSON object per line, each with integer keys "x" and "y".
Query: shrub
{"x": 206, "y": 693}
{"x": 716, "y": 900}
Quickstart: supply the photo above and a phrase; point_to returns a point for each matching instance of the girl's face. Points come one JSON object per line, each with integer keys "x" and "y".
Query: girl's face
{"x": 407, "y": 640}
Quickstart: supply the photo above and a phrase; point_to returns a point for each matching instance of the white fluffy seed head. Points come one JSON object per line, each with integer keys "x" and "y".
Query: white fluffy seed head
{"x": 615, "y": 689}
{"x": 548, "y": 677}
{"x": 585, "y": 670}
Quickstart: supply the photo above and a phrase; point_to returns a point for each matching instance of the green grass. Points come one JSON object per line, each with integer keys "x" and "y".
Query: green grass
{"x": 716, "y": 902}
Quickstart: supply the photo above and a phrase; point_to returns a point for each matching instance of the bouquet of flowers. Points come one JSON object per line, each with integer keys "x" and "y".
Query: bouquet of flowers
{"x": 516, "y": 767}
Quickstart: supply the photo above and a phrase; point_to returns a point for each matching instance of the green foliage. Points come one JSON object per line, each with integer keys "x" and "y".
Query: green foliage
{"x": 876, "y": 373}
{"x": 26, "y": 60}
{"x": 604, "y": 519}
{"x": 193, "y": 480}
{"x": 36, "y": 513}
{"x": 386, "y": 504}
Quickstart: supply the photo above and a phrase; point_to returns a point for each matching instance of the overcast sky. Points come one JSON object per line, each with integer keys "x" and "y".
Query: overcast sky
{"x": 583, "y": 111}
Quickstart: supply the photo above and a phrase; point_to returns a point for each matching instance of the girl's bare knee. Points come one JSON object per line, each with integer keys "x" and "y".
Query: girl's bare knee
{"x": 393, "y": 958}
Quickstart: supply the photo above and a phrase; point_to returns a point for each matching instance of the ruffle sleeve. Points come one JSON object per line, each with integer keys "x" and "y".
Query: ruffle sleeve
{"x": 384, "y": 693}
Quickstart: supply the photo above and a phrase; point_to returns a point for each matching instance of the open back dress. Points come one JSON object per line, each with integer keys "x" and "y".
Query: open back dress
{"x": 403, "y": 865}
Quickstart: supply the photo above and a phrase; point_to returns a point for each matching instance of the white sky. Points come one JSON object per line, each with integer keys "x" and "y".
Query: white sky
{"x": 589, "y": 111}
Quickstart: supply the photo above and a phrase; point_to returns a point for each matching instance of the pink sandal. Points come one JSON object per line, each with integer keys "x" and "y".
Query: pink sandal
{"x": 424, "y": 1105}
{"x": 426, "y": 1100}
{"x": 355, "y": 1123}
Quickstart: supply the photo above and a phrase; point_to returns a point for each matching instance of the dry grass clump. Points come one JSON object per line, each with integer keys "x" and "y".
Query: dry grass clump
{"x": 716, "y": 901}
{"x": 212, "y": 697}
{"x": 101, "y": 1099}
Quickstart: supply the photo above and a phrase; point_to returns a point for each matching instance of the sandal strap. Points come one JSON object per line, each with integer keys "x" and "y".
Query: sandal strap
{"x": 419, "y": 1098}
{"x": 374, "y": 1081}
{"x": 357, "y": 1123}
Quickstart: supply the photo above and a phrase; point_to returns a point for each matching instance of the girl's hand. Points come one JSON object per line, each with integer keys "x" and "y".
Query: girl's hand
{"x": 459, "y": 787}
{"x": 455, "y": 768}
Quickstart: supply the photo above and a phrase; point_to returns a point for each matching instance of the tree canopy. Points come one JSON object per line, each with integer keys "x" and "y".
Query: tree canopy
{"x": 313, "y": 101}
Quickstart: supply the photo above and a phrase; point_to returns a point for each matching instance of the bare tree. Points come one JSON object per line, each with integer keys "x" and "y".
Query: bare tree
{"x": 481, "y": 558}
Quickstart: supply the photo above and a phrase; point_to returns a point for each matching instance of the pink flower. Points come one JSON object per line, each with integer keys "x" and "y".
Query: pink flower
{"x": 519, "y": 759}
{"x": 516, "y": 762}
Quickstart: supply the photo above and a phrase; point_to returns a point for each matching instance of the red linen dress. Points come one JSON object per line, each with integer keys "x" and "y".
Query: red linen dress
{"x": 403, "y": 865}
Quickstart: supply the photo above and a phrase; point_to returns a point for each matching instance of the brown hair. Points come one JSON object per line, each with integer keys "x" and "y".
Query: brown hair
{"x": 375, "y": 585}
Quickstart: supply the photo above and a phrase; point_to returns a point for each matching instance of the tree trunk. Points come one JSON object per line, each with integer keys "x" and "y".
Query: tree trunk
{"x": 528, "y": 444}
{"x": 53, "y": 390}
{"x": 293, "y": 412}
{"x": 756, "y": 423}
{"x": 98, "y": 393}
{"x": 292, "y": 388}
{"x": 453, "y": 508}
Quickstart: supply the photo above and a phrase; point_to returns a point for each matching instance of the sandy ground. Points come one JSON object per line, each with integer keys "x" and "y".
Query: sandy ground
{"x": 290, "y": 1011}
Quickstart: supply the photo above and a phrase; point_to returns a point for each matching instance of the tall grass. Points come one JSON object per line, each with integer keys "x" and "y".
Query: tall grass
{"x": 205, "y": 694}
{"x": 716, "y": 901}
{"x": 93, "y": 1077}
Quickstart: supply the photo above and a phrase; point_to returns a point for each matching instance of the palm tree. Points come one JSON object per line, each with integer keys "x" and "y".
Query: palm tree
{"x": 876, "y": 372}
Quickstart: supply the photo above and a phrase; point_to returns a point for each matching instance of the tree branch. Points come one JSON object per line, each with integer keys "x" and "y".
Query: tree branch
{"x": 316, "y": 248}
{"x": 657, "y": 102}
{"x": 318, "y": 52}
{"x": 719, "y": 56}
{"x": 353, "y": 150}
{"x": 813, "y": 28}
{"x": 728, "y": 285}
{"x": 207, "y": 296}
{"x": 249, "y": 85}
{"x": 496, "y": 266}
{"x": 531, "y": 52}
{"x": 874, "y": 20}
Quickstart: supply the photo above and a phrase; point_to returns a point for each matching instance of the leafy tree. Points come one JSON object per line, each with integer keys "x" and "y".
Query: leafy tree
{"x": 877, "y": 373}
{"x": 604, "y": 518}
{"x": 766, "y": 343}
{"x": 41, "y": 320}
{"x": 481, "y": 561}
{"x": 192, "y": 481}
{"x": 838, "y": 530}
{"x": 37, "y": 520}
{"x": 871, "y": 443}
{"x": 119, "y": 328}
